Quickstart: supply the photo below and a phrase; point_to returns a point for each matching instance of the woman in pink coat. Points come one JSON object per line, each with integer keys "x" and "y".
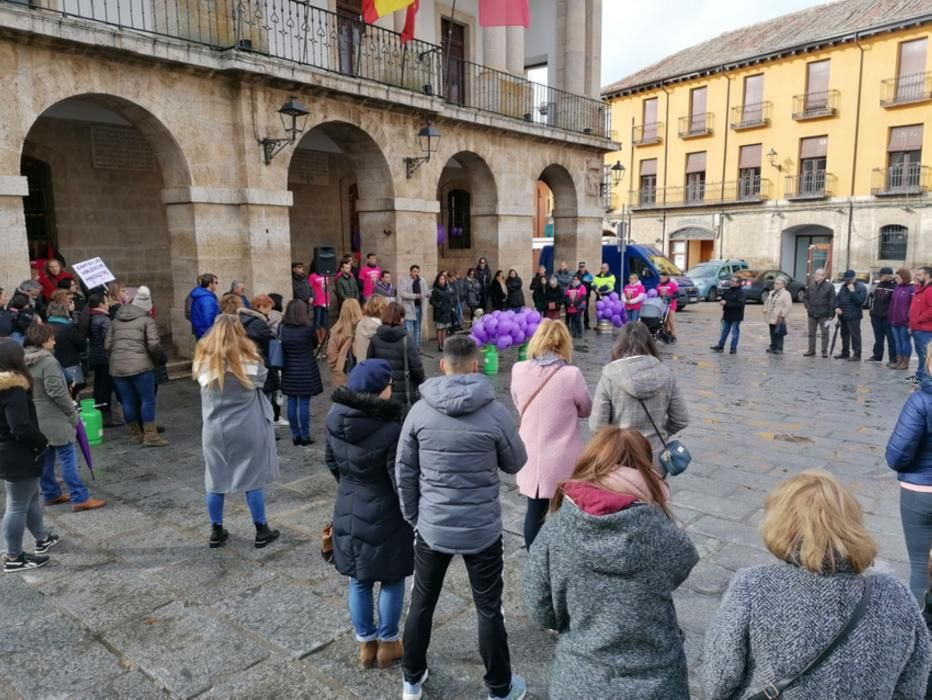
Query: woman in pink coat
{"x": 550, "y": 395}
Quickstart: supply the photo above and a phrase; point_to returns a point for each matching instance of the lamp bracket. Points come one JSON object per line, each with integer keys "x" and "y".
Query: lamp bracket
{"x": 412, "y": 164}
{"x": 272, "y": 147}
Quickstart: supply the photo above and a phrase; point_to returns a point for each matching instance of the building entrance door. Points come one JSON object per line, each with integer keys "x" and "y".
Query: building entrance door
{"x": 349, "y": 34}
{"x": 454, "y": 56}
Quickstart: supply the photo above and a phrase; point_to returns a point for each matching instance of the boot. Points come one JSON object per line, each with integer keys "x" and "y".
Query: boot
{"x": 135, "y": 433}
{"x": 903, "y": 363}
{"x": 265, "y": 535}
{"x": 367, "y": 653}
{"x": 218, "y": 536}
{"x": 894, "y": 362}
{"x": 116, "y": 412}
{"x": 151, "y": 436}
{"x": 89, "y": 504}
{"x": 389, "y": 653}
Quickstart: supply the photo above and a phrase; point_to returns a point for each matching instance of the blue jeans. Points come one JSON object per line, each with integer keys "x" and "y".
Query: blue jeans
{"x": 733, "y": 327}
{"x": 22, "y": 510}
{"x": 391, "y": 602}
{"x": 254, "y": 499}
{"x": 459, "y": 313}
{"x": 633, "y": 314}
{"x": 414, "y": 327}
{"x": 321, "y": 316}
{"x": 904, "y": 348}
{"x": 299, "y": 416}
{"x": 137, "y": 395}
{"x": 68, "y": 456}
{"x": 574, "y": 321}
{"x": 921, "y": 340}
{"x": 916, "y": 516}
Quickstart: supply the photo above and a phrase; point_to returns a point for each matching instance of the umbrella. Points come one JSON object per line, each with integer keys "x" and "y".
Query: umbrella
{"x": 831, "y": 350}
{"x": 81, "y": 436}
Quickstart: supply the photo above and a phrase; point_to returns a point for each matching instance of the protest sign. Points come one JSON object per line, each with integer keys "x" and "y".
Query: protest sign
{"x": 93, "y": 272}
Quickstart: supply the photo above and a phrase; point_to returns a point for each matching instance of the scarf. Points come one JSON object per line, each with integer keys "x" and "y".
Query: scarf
{"x": 548, "y": 359}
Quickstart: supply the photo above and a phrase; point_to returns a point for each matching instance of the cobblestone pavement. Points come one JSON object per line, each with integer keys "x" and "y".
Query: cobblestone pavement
{"x": 134, "y": 604}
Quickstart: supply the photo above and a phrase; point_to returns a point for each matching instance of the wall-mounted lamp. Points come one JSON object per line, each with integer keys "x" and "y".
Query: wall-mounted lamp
{"x": 428, "y": 139}
{"x": 617, "y": 173}
{"x": 772, "y": 159}
{"x": 294, "y": 118}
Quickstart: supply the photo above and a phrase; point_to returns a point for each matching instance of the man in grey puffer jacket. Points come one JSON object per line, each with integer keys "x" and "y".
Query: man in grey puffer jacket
{"x": 452, "y": 445}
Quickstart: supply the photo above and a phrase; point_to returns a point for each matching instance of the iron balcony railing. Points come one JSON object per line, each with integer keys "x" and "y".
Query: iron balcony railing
{"x": 905, "y": 89}
{"x": 814, "y": 184}
{"x": 298, "y": 32}
{"x": 746, "y": 190}
{"x": 902, "y": 179}
{"x": 696, "y": 125}
{"x": 647, "y": 134}
{"x": 751, "y": 115}
{"x": 814, "y": 105}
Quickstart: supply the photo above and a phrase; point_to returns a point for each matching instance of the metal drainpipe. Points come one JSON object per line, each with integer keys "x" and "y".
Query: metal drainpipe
{"x": 721, "y": 225}
{"x": 666, "y": 148}
{"x": 854, "y": 159}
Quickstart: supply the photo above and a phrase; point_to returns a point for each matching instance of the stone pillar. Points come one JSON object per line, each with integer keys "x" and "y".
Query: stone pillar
{"x": 595, "y": 47}
{"x": 14, "y": 263}
{"x": 577, "y": 238}
{"x": 515, "y": 42}
{"x": 575, "y": 46}
{"x": 495, "y": 48}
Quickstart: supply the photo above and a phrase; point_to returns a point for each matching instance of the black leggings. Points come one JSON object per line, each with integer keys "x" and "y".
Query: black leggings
{"x": 534, "y": 519}
{"x": 916, "y": 515}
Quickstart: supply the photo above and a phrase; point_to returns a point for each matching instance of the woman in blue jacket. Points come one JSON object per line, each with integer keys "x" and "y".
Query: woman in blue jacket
{"x": 909, "y": 452}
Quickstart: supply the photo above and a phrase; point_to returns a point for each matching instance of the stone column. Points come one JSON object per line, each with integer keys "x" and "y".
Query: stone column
{"x": 575, "y": 46}
{"x": 495, "y": 48}
{"x": 577, "y": 238}
{"x": 595, "y": 47}
{"x": 14, "y": 263}
{"x": 515, "y": 42}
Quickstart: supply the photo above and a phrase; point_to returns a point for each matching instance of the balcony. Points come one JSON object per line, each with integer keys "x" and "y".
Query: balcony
{"x": 648, "y": 134}
{"x": 297, "y": 32}
{"x": 901, "y": 180}
{"x": 751, "y": 116}
{"x": 816, "y": 184}
{"x": 747, "y": 190}
{"x": 696, "y": 125}
{"x": 906, "y": 90}
{"x": 815, "y": 105}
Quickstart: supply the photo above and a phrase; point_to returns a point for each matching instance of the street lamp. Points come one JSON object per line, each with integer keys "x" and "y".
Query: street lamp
{"x": 294, "y": 118}
{"x": 772, "y": 159}
{"x": 428, "y": 139}
{"x": 618, "y": 173}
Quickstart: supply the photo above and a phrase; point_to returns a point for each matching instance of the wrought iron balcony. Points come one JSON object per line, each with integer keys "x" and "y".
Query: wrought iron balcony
{"x": 751, "y": 116}
{"x": 696, "y": 125}
{"x": 747, "y": 190}
{"x": 648, "y": 134}
{"x": 295, "y": 31}
{"x": 815, "y": 105}
{"x": 815, "y": 184}
{"x": 901, "y": 180}
{"x": 906, "y": 89}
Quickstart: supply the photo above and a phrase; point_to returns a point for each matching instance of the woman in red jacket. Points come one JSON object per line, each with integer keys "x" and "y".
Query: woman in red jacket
{"x": 52, "y": 274}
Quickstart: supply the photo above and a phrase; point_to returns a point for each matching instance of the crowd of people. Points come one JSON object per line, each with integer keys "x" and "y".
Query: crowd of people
{"x": 418, "y": 463}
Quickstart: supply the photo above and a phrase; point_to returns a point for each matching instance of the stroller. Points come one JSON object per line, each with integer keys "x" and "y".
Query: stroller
{"x": 654, "y": 312}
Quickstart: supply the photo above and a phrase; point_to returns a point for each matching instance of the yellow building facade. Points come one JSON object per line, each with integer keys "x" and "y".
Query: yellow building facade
{"x": 812, "y": 154}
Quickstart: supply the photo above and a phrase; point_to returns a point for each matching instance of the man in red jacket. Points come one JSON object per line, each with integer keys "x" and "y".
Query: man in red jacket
{"x": 920, "y": 320}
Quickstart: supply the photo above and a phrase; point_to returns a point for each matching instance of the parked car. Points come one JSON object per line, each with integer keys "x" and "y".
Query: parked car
{"x": 707, "y": 276}
{"x": 868, "y": 278}
{"x": 757, "y": 285}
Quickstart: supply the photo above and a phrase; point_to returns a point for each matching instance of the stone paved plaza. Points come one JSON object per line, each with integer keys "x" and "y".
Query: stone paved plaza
{"x": 135, "y": 605}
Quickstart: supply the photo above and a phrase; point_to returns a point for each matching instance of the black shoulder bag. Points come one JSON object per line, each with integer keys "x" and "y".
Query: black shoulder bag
{"x": 775, "y": 690}
{"x": 404, "y": 343}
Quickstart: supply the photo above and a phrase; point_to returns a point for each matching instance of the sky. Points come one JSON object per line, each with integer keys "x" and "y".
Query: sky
{"x": 636, "y": 34}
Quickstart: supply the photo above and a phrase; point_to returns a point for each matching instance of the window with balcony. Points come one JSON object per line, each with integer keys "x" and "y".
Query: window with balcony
{"x": 695, "y": 177}
{"x": 913, "y": 83}
{"x": 453, "y": 41}
{"x": 699, "y": 121}
{"x": 647, "y": 184}
{"x": 818, "y": 100}
{"x": 753, "y": 111}
{"x": 893, "y": 241}
{"x": 649, "y": 131}
{"x": 749, "y": 172}
{"x": 459, "y": 236}
{"x": 904, "y": 173}
{"x": 812, "y": 180}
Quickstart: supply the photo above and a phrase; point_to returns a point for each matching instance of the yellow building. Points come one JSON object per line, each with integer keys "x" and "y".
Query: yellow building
{"x": 799, "y": 142}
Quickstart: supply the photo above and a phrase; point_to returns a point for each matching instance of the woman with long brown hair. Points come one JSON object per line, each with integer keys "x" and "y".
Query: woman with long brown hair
{"x": 602, "y": 572}
{"x": 340, "y": 346}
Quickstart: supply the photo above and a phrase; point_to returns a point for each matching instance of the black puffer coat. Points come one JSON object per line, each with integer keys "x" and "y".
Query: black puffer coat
{"x": 69, "y": 343}
{"x": 259, "y": 332}
{"x": 388, "y": 344}
{"x": 97, "y": 328}
{"x": 371, "y": 540}
{"x": 442, "y": 301}
{"x": 515, "y": 299}
{"x": 301, "y": 376}
{"x": 22, "y": 444}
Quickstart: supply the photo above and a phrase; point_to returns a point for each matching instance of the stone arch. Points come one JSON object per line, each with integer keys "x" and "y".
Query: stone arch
{"x": 565, "y": 213}
{"x": 468, "y": 193}
{"x": 796, "y": 246}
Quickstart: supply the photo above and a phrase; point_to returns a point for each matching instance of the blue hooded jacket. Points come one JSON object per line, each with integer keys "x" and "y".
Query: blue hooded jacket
{"x": 909, "y": 449}
{"x": 204, "y": 309}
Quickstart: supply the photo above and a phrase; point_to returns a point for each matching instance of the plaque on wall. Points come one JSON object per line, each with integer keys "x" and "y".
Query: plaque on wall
{"x": 310, "y": 168}
{"x": 121, "y": 148}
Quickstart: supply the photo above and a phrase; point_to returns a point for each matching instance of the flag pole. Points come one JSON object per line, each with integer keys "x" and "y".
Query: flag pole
{"x": 449, "y": 43}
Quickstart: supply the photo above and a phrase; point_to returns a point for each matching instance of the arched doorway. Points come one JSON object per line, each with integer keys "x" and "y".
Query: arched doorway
{"x": 96, "y": 166}
{"x": 467, "y": 226}
{"x": 564, "y": 213}
{"x": 805, "y": 248}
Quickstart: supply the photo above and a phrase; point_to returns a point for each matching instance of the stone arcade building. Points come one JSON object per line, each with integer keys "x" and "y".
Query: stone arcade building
{"x": 131, "y": 129}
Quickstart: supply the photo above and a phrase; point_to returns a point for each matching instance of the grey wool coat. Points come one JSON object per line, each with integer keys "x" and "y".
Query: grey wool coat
{"x": 54, "y": 407}
{"x": 238, "y": 435}
{"x": 605, "y": 583}
{"x": 775, "y": 619}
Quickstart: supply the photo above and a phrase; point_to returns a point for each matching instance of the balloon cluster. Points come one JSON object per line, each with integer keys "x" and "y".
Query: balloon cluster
{"x": 505, "y": 328}
{"x": 612, "y": 309}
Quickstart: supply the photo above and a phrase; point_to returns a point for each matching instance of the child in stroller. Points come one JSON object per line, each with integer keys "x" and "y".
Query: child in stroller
{"x": 654, "y": 316}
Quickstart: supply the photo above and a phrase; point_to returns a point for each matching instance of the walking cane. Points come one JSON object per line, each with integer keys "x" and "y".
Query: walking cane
{"x": 831, "y": 349}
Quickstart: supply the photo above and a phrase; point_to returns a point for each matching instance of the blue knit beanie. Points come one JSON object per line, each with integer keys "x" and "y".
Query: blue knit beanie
{"x": 370, "y": 377}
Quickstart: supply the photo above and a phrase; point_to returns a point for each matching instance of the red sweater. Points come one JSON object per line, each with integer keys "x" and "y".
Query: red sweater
{"x": 920, "y": 311}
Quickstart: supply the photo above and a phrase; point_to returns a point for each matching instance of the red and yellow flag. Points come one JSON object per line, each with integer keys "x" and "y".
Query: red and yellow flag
{"x": 373, "y": 9}
{"x": 407, "y": 34}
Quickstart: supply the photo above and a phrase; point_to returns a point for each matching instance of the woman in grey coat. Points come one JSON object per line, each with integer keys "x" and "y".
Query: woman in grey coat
{"x": 776, "y": 619}
{"x": 238, "y": 433}
{"x": 602, "y": 571}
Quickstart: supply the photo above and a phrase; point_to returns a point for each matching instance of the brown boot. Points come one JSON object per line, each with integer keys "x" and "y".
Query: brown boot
{"x": 367, "y": 653}
{"x": 903, "y": 363}
{"x": 62, "y": 498}
{"x": 894, "y": 362}
{"x": 135, "y": 433}
{"x": 151, "y": 436}
{"x": 389, "y": 653}
{"x": 89, "y": 504}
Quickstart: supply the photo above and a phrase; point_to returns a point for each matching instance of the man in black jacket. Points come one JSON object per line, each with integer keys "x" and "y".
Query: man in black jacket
{"x": 300, "y": 287}
{"x": 820, "y": 306}
{"x": 880, "y": 309}
{"x": 849, "y": 307}
{"x": 732, "y": 303}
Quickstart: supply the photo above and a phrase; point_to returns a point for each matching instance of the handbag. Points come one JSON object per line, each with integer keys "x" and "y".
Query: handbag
{"x": 674, "y": 457}
{"x": 775, "y": 690}
{"x": 276, "y": 352}
{"x": 326, "y": 542}
{"x": 780, "y": 328}
{"x": 534, "y": 395}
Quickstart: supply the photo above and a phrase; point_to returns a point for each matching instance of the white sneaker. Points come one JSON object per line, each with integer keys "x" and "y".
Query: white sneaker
{"x": 283, "y": 422}
{"x": 412, "y": 691}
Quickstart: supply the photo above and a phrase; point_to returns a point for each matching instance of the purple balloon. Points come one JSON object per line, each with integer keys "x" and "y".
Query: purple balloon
{"x": 651, "y": 293}
{"x": 616, "y": 321}
{"x": 535, "y": 316}
{"x": 600, "y": 305}
{"x": 496, "y": 314}
{"x": 479, "y": 343}
{"x": 491, "y": 325}
{"x": 518, "y": 337}
{"x": 613, "y": 296}
{"x": 479, "y": 335}
{"x": 503, "y": 342}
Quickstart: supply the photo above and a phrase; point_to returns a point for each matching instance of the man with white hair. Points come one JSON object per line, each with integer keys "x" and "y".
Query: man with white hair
{"x": 820, "y": 307}
{"x": 239, "y": 289}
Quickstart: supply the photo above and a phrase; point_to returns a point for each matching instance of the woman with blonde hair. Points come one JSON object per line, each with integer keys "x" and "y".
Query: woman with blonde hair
{"x": 550, "y": 395}
{"x": 368, "y": 325}
{"x": 602, "y": 573}
{"x": 238, "y": 435}
{"x": 814, "y": 624}
{"x": 340, "y": 346}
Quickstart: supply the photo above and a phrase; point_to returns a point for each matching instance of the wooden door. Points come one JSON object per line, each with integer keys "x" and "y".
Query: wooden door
{"x": 349, "y": 34}
{"x": 454, "y": 57}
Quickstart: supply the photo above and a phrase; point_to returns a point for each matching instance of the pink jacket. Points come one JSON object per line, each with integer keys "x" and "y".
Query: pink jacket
{"x": 634, "y": 296}
{"x": 369, "y": 276}
{"x": 549, "y": 427}
{"x": 319, "y": 289}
